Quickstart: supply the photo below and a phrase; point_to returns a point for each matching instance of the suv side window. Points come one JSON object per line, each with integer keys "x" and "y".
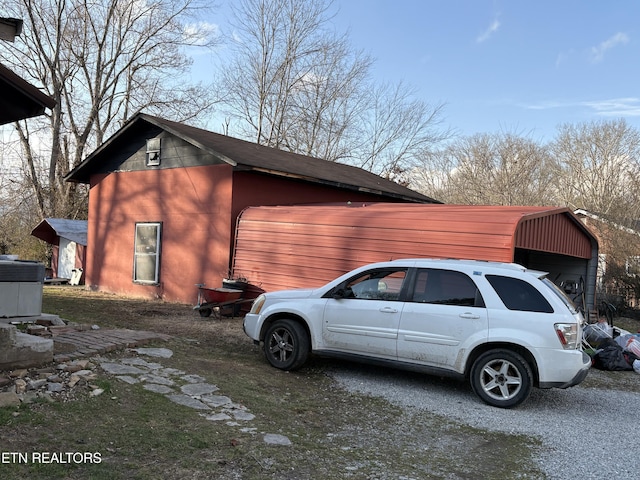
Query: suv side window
{"x": 445, "y": 287}
{"x": 377, "y": 285}
{"x": 519, "y": 295}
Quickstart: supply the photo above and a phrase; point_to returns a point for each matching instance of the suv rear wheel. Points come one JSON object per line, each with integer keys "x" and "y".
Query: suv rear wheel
{"x": 501, "y": 378}
{"x": 286, "y": 344}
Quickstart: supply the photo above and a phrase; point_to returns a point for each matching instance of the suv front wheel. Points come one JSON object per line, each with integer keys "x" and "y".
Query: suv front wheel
{"x": 501, "y": 378}
{"x": 286, "y": 344}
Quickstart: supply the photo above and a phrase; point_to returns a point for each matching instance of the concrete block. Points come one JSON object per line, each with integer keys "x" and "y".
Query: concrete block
{"x": 19, "y": 350}
{"x": 7, "y": 335}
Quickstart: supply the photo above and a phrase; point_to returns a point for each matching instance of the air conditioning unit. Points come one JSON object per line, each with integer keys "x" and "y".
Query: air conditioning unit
{"x": 21, "y": 288}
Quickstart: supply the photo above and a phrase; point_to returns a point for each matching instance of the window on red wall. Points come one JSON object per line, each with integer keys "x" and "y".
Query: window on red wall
{"x": 146, "y": 261}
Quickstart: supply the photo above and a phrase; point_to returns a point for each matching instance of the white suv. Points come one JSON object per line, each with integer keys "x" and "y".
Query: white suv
{"x": 503, "y": 327}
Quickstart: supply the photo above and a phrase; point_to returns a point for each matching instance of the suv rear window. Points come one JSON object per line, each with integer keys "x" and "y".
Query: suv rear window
{"x": 519, "y": 295}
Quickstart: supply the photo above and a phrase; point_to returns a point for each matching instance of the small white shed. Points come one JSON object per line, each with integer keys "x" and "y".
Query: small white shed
{"x": 69, "y": 241}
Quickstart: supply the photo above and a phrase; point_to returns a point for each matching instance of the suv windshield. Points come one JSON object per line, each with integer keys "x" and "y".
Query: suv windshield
{"x": 555, "y": 289}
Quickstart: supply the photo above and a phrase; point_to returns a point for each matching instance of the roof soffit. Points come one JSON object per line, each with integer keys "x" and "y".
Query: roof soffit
{"x": 20, "y": 99}
{"x": 10, "y": 28}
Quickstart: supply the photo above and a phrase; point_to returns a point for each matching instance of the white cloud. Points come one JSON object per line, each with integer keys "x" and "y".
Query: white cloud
{"x": 493, "y": 28}
{"x": 597, "y": 53}
{"x": 201, "y": 33}
{"x": 614, "y": 107}
{"x": 548, "y": 105}
{"x": 563, "y": 57}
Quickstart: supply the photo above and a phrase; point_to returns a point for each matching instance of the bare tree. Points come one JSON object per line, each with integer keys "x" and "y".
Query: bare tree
{"x": 284, "y": 53}
{"x": 489, "y": 169}
{"x": 18, "y": 215}
{"x": 294, "y": 84}
{"x": 326, "y": 103}
{"x": 398, "y": 129}
{"x": 101, "y": 61}
{"x": 600, "y": 169}
{"x": 620, "y": 275}
{"x": 601, "y": 174}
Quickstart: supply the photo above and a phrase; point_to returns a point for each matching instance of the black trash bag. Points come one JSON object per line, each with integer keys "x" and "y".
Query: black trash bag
{"x": 610, "y": 356}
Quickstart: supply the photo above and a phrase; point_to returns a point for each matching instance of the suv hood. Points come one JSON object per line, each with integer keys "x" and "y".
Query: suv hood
{"x": 290, "y": 294}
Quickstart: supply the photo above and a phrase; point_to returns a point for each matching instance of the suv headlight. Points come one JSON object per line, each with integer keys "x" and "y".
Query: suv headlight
{"x": 258, "y": 304}
{"x": 568, "y": 335}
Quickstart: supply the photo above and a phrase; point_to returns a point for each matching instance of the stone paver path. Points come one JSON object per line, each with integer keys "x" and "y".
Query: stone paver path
{"x": 177, "y": 386}
{"x": 93, "y": 342}
{"x": 184, "y": 389}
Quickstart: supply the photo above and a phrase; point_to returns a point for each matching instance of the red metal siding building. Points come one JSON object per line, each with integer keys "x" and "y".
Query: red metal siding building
{"x": 306, "y": 246}
{"x": 193, "y": 208}
{"x": 164, "y": 199}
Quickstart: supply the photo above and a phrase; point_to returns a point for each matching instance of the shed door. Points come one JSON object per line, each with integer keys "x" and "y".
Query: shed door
{"x": 66, "y": 258}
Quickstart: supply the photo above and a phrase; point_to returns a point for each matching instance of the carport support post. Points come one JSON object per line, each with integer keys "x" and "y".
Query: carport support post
{"x": 592, "y": 276}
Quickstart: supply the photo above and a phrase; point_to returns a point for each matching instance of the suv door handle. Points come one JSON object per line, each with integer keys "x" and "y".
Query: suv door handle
{"x": 388, "y": 310}
{"x": 470, "y": 316}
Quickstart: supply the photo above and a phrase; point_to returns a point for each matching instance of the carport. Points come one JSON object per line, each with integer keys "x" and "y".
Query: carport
{"x": 305, "y": 246}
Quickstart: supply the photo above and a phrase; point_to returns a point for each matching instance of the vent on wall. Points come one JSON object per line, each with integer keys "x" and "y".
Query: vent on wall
{"x": 153, "y": 152}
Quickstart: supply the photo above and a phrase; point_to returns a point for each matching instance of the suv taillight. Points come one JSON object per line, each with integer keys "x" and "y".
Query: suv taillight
{"x": 568, "y": 335}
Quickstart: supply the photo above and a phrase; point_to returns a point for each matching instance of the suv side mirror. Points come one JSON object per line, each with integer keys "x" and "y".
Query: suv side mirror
{"x": 342, "y": 293}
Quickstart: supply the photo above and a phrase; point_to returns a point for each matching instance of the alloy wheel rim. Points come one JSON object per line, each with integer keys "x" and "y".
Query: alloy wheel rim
{"x": 281, "y": 345}
{"x": 501, "y": 380}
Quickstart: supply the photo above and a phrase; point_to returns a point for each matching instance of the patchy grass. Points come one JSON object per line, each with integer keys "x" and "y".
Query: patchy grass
{"x": 629, "y": 324}
{"x": 142, "y": 435}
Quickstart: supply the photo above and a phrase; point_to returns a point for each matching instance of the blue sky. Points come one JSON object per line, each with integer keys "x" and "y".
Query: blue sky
{"x": 512, "y": 66}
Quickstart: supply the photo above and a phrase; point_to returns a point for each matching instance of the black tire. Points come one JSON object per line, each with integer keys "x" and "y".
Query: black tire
{"x": 205, "y": 312}
{"x": 286, "y": 344}
{"x": 501, "y": 378}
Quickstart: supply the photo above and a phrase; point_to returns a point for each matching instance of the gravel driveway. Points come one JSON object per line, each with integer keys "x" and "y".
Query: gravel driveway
{"x": 585, "y": 432}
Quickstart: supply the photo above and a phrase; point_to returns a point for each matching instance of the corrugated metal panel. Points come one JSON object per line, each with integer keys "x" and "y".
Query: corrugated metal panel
{"x": 554, "y": 234}
{"x": 306, "y": 246}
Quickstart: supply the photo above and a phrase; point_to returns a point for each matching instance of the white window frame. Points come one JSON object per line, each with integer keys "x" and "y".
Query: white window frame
{"x": 632, "y": 266}
{"x": 153, "y": 152}
{"x": 144, "y": 251}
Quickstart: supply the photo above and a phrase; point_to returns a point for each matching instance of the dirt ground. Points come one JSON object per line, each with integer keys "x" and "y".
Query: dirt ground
{"x": 335, "y": 434}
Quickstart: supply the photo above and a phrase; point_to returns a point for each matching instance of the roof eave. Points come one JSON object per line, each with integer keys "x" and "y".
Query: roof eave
{"x": 24, "y": 99}
{"x": 344, "y": 186}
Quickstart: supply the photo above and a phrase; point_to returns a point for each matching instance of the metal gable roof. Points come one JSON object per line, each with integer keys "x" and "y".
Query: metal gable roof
{"x": 499, "y": 229}
{"x": 309, "y": 245}
{"x": 50, "y": 228}
{"x": 246, "y": 155}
